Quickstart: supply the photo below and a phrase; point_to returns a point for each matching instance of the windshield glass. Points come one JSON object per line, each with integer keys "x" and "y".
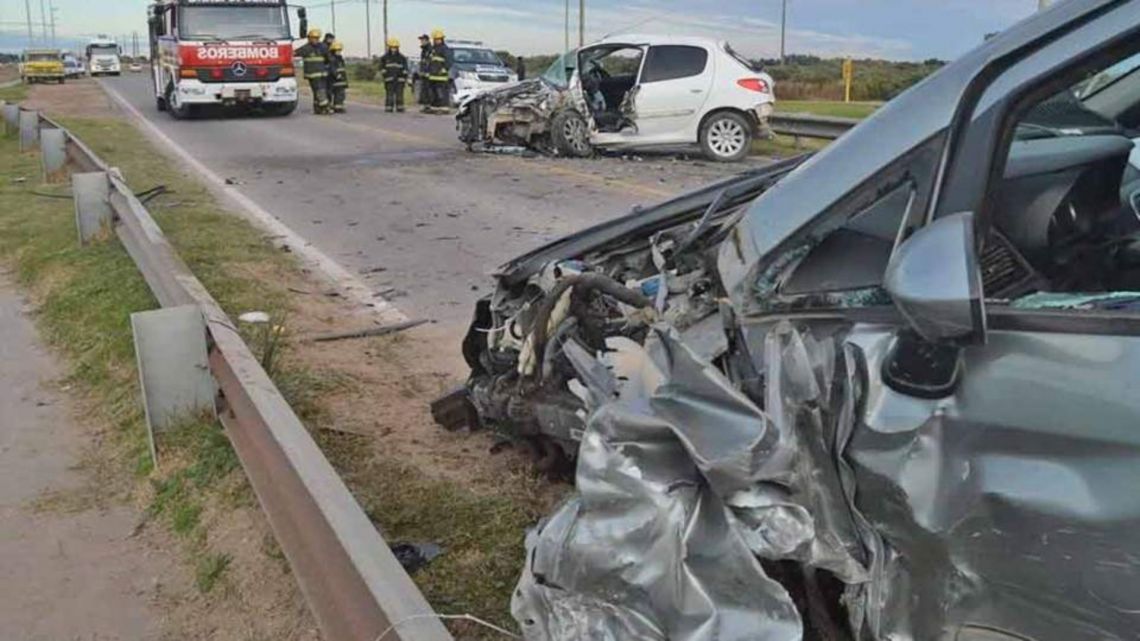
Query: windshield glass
{"x": 233, "y": 23}
{"x": 42, "y": 57}
{"x": 103, "y": 50}
{"x": 559, "y": 73}
{"x": 1094, "y": 85}
{"x": 475, "y": 57}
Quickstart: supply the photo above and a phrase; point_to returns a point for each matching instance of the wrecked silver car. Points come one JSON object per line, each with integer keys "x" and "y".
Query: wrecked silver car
{"x": 886, "y": 392}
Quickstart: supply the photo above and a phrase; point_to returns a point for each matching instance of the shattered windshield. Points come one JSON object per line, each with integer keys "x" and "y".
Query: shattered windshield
{"x": 233, "y": 23}
{"x": 559, "y": 73}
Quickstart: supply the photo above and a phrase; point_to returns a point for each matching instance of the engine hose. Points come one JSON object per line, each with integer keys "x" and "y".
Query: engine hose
{"x": 559, "y": 336}
{"x": 585, "y": 283}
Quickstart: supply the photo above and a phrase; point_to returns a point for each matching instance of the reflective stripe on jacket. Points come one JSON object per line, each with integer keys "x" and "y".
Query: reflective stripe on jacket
{"x": 338, "y": 71}
{"x": 438, "y": 64}
{"x": 315, "y": 58}
{"x": 394, "y": 67}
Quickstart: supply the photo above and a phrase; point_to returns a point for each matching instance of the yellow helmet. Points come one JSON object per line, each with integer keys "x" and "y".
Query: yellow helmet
{"x": 314, "y": 33}
{"x": 437, "y": 34}
{"x": 336, "y": 46}
{"x": 393, "y": 43}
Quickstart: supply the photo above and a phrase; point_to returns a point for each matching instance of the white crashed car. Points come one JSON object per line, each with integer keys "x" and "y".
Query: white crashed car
{"x": 631, "y": 91}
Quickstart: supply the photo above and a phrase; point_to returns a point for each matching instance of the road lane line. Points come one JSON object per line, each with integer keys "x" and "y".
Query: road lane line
{"x": 353, "y": 288}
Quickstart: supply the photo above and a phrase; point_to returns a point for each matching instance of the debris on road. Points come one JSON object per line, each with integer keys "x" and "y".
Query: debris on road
{"x": 369, "y": 332}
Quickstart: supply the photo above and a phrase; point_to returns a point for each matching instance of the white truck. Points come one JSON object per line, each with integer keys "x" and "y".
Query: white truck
{"x": 103, "y": 57}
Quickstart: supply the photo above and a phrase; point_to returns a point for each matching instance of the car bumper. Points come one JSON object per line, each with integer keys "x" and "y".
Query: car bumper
{"x": 196, "y": 92}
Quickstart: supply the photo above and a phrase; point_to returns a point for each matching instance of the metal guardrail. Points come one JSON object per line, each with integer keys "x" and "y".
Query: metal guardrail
{"x": 810, "y": 126}
{"x": 353, "y": 584}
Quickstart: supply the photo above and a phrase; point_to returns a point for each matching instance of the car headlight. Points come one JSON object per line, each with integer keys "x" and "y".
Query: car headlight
{"x": 468, "y": 75}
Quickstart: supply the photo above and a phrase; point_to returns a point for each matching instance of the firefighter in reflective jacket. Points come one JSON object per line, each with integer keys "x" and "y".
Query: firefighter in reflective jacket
{"x": 314, "y": 56}
{"x": 394, "y": 70}
{"x": 421, "y": 72}
{"x": 439, "y": 73}
{"x": 338, "y": 76}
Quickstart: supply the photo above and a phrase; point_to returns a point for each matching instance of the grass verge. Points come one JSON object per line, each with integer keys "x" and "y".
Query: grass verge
{"x": 828, "y": 108}
{"x": 85, "y": 297}
{"x": 15, "y": 93}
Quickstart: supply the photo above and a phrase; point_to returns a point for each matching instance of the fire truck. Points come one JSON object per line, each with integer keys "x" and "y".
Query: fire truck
{"x": 223, "y": 52}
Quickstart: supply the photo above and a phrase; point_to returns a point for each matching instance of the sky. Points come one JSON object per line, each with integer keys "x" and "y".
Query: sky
{"x": 893, "y": 29}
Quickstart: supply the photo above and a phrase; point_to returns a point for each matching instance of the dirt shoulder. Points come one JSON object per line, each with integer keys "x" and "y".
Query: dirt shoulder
{"x": 366, "y": 401}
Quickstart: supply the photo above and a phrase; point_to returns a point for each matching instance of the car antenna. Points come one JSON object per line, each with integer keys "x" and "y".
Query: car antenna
{"x": 630, "y": 27}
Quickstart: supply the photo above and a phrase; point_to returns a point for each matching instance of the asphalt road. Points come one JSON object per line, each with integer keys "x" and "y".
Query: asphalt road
{"x": 396, "y": 198}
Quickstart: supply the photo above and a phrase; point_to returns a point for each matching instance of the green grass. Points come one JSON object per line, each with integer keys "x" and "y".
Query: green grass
{"x": 372, "y": 91}
{"x": 84, "y": 298}
{"x": 14, "y": 93}
{"x": 828, "y": 108}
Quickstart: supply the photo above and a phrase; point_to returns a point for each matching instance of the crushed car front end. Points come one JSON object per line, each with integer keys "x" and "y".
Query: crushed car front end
{"x": 515, "y": 116}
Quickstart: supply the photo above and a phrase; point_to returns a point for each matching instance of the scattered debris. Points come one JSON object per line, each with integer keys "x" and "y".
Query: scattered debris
{"x": 369, "y": 332}
{"x": 373, "y": 270}
{"x": 414, "y": 556}
{"x": 233, "y": 181}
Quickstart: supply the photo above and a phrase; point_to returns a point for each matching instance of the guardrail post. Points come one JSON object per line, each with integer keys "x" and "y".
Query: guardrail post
{"x": 92, "y": 194}
{"x": 11, "y": 119}
{"x": 53, "y": 153}
{"x": 174, "y": 371}
{"x": 29, "y": 129}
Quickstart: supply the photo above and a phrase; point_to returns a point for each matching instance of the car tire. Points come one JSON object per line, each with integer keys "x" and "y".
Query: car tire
{"x": 570, "y": 134}
{"x": 726, "y": 137}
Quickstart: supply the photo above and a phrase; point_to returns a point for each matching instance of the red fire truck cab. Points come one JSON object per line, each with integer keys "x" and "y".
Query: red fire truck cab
{"x": 223, "y": 52}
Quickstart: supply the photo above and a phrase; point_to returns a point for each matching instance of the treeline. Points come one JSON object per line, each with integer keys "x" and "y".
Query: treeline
{"x": 799, "y": 77}
{"x": 802, "y": 77}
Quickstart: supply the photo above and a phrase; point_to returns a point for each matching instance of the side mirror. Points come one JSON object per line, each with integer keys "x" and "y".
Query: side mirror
{"x": 935, "y": 280}
{"x": 156, "y": 26}
{"x": 303, "y": 16}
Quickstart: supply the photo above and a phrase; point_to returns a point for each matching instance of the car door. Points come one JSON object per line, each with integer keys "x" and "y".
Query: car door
{"x": 1006, "y": 494}
{"x": 671, "y": 93}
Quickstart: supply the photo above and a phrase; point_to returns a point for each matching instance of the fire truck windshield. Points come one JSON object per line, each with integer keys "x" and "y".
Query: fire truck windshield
{"x": 233, "y": 23}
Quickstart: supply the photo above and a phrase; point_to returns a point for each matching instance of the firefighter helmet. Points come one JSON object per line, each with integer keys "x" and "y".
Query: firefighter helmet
{"x": 314, "y": 34}
{"x": 336, "y": 47}
{"x": 437, "y": 34}
{"x": 393, "y": 43}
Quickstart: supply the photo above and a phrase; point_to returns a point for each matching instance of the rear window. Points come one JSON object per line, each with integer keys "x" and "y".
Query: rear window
{"x": 670, "y": 62}
{"x": 748, "y": 64}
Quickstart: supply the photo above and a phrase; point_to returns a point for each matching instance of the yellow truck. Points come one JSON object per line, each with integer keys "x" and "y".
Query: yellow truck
{"x": 42, "y": 65}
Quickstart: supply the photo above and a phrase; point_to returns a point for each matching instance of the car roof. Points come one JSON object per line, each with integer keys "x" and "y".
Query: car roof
{"x": 660, "y": 39}
{"x": 901, "y": 125}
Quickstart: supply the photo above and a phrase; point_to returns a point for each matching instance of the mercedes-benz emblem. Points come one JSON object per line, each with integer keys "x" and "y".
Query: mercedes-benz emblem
{"x": 239, "y": 68}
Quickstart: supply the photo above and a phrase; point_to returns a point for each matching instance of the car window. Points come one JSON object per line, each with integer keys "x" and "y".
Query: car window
{"x": 475, "y": 56}
{"x": 670, "y": 62}
{"x": 559, "y": 72}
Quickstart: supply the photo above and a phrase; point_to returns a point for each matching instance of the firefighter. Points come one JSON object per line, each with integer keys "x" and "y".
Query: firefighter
{"x": 421, "y": 71}
{"x": 394, "y": 69}
{"x": 314, "y": 55}
{"x": 338, "y": 76}
{"x": 439, "y": 73}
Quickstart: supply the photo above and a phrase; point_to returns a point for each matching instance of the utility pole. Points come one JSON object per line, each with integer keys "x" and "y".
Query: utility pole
{"x": 368, "y": 27}
{"x": 385, "y": 25}
{"x": 28, "y": 15}
{"x": 581, "y": 23}
{"x": 43, "y": 22}
{"x": 332, "y": 6}
{"x": 567, "y": 47}
{"x": 784, "y": 31}
{"x": 51, "y": 12}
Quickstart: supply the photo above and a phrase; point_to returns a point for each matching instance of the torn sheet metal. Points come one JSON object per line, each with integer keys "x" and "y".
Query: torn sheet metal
{"x": 682, "y": 483}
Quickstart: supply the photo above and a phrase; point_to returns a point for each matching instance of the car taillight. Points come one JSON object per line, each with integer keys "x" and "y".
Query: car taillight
{"x": 188, "y": 73}
{"x": 287, "y": 71}
{"x": 753, "y": 84}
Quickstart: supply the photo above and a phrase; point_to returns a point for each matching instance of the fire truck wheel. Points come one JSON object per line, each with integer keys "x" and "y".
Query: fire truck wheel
{"x": 177, "y": 110}
{"x": 280, "y": 109}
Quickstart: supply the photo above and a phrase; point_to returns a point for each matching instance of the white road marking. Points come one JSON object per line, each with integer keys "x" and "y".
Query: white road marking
{"x": 352, "y": 287}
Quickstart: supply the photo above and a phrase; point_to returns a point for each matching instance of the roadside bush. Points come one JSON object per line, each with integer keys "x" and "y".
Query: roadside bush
{"x": 365, "y": 71}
